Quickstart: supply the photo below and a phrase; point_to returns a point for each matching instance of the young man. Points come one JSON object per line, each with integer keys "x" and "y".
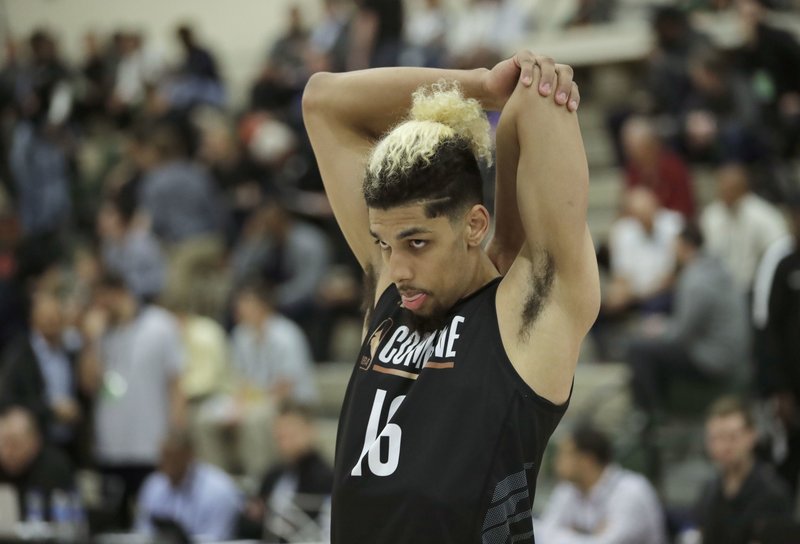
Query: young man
{"x": 745, "y": 495}
{"x": 598, "y": 501}
{"x": 469, "y": 354}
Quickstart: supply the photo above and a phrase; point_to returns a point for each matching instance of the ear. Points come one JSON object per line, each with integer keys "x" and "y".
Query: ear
{"x": 476, "y": 225}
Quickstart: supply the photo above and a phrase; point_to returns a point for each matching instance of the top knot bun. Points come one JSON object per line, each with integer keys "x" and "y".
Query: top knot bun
{"x": 444, "y": 103}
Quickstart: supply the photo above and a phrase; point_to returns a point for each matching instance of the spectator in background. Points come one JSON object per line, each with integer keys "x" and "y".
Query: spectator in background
{"x": 739, "y": 226}
{"x": 485, "y": 28}
{"x": 705, "y": 339}
{"x": 771, "y": 59}
{"x": 197, "y": 80}
{"x": 131, "y": 366}
{"x": 136, "y": 70}
{"x": 206, "y": 370}
{"x": 642, "y": 255}
{"x": 271, "y": 363}
{"x": 721, "y": 119}
{"x": 783, "y": 329}
{"x": 38, "y": 374}
{"x": 32, "y": 467}
{"x": 668, "y": 81}
{"x": 651, "y": 164}
{"x": 597, "y": 501}
{"x": 376, "y": 34}
{"x": 179, "y": 199}
{"x": 200, "y": 498}
{"x": 330, "y": 35}
{"x": 289, "y": 254}
{"x": 425, "y": 35}
{"x": 37, "y": 158}
{"x": 745, "y": 493}
{"x": 294, "y": 492}
{"x": 285, "y": 72}
{"x": 128, "y": 249}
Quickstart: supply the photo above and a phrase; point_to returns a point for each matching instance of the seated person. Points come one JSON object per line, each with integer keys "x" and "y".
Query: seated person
{"x": 294, "y": 494}
{"x": 598, "y": 502}
{"x": 32, "y": 467}
{"x": 745, "y": 493}
{"x": 706, "y": 338}
{"x": 199, "y": 498}
{"x": 270, "y": 362}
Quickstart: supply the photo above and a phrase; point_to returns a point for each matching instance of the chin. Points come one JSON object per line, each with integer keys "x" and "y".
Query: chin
{"x": 425, "y": 322}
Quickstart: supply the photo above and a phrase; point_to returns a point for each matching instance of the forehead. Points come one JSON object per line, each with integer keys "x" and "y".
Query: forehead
{"x": 726, "y": 423}
{"x": 400, "y": 220}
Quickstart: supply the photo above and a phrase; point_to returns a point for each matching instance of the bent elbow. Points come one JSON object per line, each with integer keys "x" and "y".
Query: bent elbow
{"x": 315, "y": 91}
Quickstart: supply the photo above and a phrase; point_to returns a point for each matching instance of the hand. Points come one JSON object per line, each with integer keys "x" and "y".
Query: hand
{"x": 66, "y": 411}
{"x": 501, "y": 80}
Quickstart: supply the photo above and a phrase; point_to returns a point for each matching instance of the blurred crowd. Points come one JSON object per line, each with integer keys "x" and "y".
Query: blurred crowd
{"x": 171, "y": 272}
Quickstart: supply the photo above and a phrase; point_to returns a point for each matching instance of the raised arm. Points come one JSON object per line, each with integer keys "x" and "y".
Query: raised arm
{"x": 345, "y": 113}
{"x": 550, "y": 296}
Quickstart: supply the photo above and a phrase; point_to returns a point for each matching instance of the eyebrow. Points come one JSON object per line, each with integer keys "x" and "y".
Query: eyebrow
{"x": 413, "y": 231}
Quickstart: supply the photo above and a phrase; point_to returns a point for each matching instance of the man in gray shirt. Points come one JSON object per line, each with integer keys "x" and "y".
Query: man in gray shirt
{"x": 706, "y": 337}
{"x": 131, "y": 366}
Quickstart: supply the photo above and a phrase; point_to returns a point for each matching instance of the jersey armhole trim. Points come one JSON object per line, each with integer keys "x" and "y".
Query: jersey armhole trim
{"x": 525, "y": 388}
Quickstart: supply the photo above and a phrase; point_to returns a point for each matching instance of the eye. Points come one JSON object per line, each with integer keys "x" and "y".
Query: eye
{"x": 383, "y": 245}
{"x": 418, "y": 244}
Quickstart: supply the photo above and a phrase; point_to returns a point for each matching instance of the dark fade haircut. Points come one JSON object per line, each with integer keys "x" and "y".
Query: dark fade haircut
{"x": 259, "y": 288}
{"x": 593, "y": 442}
{"x": 431, "y": 158}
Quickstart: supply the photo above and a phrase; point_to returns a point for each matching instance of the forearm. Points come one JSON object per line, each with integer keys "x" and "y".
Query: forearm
{"x": 369, "y": 102}
{"x": 509, "y": 234}
{"x": 552, "y": 172}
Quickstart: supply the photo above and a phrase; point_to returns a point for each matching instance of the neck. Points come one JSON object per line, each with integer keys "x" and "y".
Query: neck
{"x": 484, "y": 272}
{"x": 735, "y": 476}
{"x": 590, "y": 480}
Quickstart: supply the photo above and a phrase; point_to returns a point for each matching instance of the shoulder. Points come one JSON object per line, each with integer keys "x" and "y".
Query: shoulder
{"x": 216, "y": 480}
{"x": 155, "y": 485}
{"x": 158, "y": 319}
{"x": 284, "y": 330}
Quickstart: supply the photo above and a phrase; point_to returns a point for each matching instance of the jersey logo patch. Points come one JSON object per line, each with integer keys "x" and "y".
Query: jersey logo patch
{"x": 374, "y": 342}
{"x": 405, "y": 353}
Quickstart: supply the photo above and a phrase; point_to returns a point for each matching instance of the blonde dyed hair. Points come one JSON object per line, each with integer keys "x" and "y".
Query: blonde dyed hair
{"x": 439, "y": 113}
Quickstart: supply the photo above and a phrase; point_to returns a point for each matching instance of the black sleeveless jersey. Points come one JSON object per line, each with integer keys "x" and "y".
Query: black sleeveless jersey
{"x": 440, "y": 440}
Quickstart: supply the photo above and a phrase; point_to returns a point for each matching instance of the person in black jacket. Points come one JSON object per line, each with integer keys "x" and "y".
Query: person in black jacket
{"x": 782, "y": 330}
{"x": 746, "y": 495}
{"x": 33, "y": 468}
{"x": 38, "y": 373}
{"x": 294, "y": 494}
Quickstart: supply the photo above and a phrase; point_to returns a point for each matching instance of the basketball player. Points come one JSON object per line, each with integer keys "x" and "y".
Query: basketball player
{"x": 469, "y": 353}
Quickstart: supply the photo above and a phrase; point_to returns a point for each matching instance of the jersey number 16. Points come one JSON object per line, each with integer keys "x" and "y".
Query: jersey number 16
{"x": 372, "y": 440}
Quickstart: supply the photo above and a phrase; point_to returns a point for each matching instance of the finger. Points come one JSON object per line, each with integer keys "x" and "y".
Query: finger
{"x": 574, "y": 98}
{"x": 565, "y": 76}
{"x": 525, "y": 61}
{"x": 548, "y": 80}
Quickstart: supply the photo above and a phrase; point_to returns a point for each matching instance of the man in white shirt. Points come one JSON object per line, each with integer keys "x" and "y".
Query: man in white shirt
{"x": 642, "y": 252}
{"x": 598, "y": 502}
{"x": 200, "y": 498}
{"x": 739, "y": 226}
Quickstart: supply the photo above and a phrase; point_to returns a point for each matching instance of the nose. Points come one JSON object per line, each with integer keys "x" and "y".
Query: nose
{"x": 400, "y": 268}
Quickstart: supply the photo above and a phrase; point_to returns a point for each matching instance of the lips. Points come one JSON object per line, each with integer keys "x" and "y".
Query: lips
{"x": 413, "y": 301}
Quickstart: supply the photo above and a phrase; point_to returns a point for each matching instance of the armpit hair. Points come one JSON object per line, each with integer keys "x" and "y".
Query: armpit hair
{"x": 368, "y": 294}
{"x": 542, "y": 275}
